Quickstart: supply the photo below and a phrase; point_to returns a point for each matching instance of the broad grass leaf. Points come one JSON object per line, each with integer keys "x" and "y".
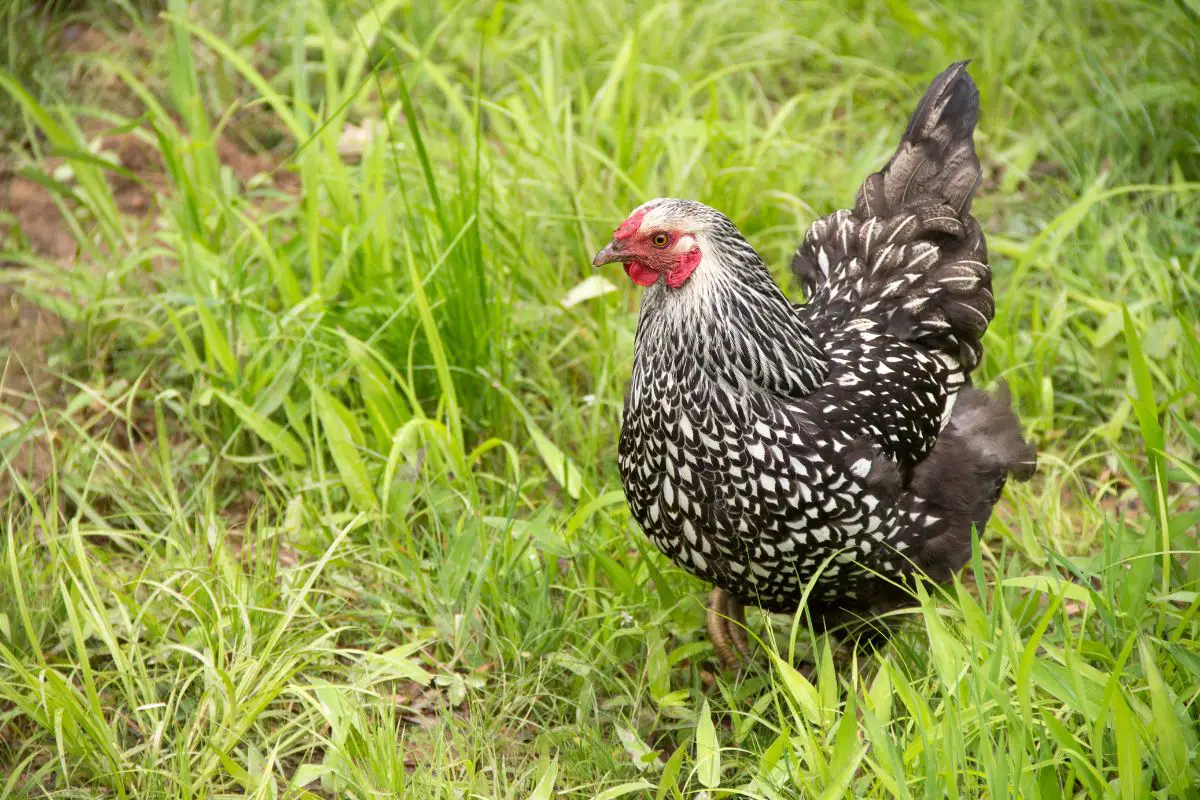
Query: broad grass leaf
{"x": 1129, "y": 750}
{"x": 624, "y": 789}
{"x": 273, "y": 434}
{"x": 310, "y": 773}
{"x": 544, "y": 790}
{"x": 708, "y": 752}
{"x": 398, "y": 664}
{"x": 800, "y": 690}
{"x": 615, "y": 497}
{"x": 658, "y": 672}
{"x": 215, "y": 343}
{"x": 564, "y": 470}
{"x": 1051, "y": 585}
{"x": 1170, "y": 734}
{"x": 620, "y": 576}
{"x": 670, "y": 773}
{"x": 640, "y": 753}
{"x": 880, "y": 696}
{"x": 345, "y": 438}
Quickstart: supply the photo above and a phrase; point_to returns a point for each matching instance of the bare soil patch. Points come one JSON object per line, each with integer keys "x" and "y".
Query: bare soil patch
{"x": 32, "y": 221}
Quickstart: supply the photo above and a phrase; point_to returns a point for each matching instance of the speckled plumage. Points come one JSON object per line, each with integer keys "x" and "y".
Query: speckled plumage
{"x": 761, "y": 437}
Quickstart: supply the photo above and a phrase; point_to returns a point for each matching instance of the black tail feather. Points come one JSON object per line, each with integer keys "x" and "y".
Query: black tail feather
{"x": 910, "y": 259}
{"x": 936, "y": 161}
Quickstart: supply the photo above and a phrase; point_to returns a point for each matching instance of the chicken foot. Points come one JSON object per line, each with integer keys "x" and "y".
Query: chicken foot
{"x": 726, "y": 622}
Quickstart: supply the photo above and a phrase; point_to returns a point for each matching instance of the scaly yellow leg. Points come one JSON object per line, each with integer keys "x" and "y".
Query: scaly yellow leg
{"x": 726, "y": 622}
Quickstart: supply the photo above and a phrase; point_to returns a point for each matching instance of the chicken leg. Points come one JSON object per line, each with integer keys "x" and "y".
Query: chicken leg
{"x": 727, "y": 628}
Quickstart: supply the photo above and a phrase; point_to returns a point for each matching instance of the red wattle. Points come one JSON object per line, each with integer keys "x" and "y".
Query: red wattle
{"x": 683, "y": 270}
{"x": 640, "y": 274}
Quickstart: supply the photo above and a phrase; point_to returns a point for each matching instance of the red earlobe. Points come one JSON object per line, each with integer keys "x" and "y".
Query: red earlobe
{"x": 684, "y": 268}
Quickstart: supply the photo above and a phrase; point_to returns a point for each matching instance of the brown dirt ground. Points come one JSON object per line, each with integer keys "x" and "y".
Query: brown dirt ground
{"x": 31, "y": 221}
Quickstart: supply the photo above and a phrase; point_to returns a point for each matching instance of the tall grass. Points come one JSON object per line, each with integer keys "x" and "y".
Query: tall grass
{"x": 333, "y": 509}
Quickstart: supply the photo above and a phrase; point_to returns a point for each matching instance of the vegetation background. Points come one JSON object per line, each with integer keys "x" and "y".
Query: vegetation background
{"x": 310, "y": 399}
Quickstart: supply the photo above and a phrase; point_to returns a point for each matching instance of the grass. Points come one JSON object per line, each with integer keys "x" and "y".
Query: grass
{"x": 324, "y": 502}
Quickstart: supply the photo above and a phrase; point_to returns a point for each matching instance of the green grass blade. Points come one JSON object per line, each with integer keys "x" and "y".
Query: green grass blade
{"x": 284, "y": 443}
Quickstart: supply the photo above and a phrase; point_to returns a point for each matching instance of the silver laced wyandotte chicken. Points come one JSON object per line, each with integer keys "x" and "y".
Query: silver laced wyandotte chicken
{"x": 765, "y": 442}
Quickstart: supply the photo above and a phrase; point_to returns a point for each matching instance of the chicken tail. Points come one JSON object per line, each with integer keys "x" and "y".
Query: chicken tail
{"x": 909, "y": 260}
{"x": 935, "y": 162}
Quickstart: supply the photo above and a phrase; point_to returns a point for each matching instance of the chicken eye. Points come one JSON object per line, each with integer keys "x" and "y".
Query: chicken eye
{"x": 660, "y": 239}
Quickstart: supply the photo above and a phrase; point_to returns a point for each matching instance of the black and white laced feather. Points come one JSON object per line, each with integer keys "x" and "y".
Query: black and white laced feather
{"x": 761, "y": 438}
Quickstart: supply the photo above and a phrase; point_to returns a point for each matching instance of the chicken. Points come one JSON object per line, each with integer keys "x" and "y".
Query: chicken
{"x": 766, "y": 445}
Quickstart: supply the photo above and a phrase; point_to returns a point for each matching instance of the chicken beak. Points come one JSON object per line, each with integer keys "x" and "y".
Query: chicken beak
{"x": 611, "y": 253}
